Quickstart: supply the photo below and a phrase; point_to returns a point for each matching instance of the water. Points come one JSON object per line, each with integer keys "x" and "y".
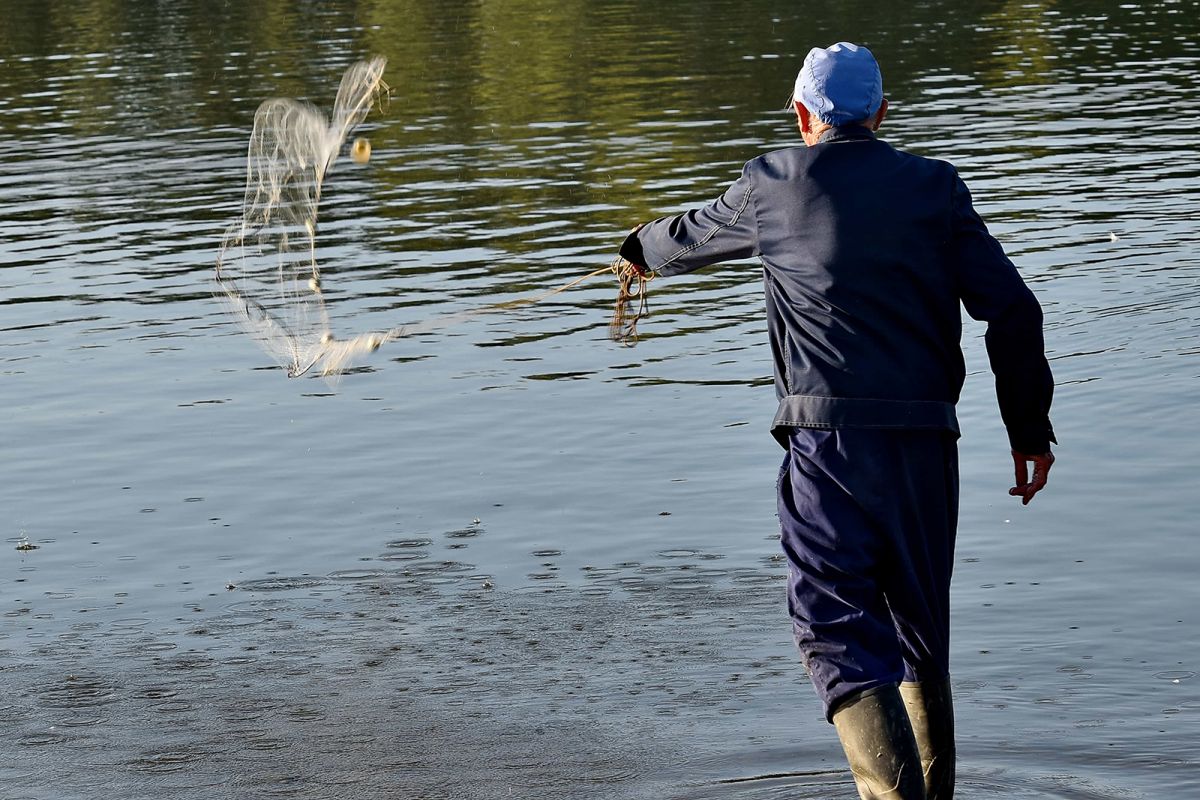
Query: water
{"x": 509, "y": 558}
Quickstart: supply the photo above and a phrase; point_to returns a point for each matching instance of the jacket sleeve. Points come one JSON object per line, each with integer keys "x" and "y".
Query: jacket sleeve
{"x": 724, "y": 230}
{"x": 992, "y": 290}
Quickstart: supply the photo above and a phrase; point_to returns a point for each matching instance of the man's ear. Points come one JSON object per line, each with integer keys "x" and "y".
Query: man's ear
{"x": 880, "y": 114}
{"x": 803, "y": 118}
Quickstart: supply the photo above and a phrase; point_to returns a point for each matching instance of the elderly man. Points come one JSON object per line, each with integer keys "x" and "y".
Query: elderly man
{"x": 867, "y": 253}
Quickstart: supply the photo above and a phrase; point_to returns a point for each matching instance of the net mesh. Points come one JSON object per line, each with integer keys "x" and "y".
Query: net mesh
{"x": 267, "y": 269}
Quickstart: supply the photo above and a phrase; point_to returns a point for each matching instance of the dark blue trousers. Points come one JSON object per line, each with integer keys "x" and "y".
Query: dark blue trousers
{"x": 868, "y": 520}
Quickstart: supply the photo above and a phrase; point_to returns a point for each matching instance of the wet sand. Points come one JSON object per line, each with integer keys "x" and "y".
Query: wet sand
{"x": 415, "y": 684}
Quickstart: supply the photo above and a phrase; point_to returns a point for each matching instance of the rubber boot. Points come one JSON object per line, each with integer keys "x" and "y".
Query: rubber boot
{"x": 931, "y": 712}
{"x": 879, "y": 745}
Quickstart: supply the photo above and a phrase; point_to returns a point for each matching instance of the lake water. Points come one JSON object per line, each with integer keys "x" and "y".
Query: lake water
{"x": 509, "y": 558}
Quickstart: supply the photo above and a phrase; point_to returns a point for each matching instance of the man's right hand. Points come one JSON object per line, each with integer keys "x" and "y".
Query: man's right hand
{"x": 1026, "y": 488}
{"x": 641, "y": 269}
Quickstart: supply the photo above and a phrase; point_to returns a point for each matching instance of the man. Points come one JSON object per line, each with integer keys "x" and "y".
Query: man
{"x": 867, "y": 253}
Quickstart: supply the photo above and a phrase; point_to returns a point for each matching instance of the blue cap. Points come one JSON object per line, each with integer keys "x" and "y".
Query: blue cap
{"x": 840, "y": 84}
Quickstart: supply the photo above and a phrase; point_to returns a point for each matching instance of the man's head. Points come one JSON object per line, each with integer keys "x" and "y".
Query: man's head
{"x": 838, "y": 85}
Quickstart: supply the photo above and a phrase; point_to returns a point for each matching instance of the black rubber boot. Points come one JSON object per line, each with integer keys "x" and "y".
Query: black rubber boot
{"x": 931, "y": 712}
{"x": 879, "y": 744}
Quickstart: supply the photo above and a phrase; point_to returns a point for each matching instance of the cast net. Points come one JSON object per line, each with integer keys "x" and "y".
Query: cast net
{"x": 267, "y": 268}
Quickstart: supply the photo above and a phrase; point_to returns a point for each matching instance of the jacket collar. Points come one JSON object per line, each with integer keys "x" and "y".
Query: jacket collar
{"x": 846, "y": 133}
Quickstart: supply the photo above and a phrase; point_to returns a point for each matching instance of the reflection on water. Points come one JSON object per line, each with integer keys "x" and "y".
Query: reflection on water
{"x": 502, "y": 554}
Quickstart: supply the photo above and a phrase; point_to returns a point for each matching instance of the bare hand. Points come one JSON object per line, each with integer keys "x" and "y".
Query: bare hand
{"x": 1026, "y": 488}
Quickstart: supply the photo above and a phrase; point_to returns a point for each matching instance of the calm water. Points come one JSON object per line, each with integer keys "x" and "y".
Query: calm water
{"x": 510, "y": 558}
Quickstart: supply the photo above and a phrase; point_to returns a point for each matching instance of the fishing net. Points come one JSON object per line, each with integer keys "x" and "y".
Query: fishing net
{"x": 267, "y": 267}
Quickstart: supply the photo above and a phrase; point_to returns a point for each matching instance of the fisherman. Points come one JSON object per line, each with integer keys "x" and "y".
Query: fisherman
{"x": 867, "y": 252}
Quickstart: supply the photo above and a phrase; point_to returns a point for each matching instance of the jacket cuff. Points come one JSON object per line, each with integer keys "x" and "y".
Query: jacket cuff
{"x": 1032, "y": 442}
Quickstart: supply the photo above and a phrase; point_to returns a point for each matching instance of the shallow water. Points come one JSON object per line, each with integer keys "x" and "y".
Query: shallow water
{"x": 507, "y": 557}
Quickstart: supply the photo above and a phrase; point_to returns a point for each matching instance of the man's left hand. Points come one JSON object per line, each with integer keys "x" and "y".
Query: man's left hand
{"x": 1027, "y": 488}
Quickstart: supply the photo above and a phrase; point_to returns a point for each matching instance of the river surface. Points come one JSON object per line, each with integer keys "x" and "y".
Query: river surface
{"x": 508, "y": 557}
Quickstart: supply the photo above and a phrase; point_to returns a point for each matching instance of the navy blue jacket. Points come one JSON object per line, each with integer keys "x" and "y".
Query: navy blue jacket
{"x": 867, "y": 253}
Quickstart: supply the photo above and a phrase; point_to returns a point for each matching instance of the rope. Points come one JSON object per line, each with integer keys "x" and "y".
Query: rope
{"x": 335, "y": 353}
{"x": 545, "y": 295}
{"x": 623, "y": 327}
